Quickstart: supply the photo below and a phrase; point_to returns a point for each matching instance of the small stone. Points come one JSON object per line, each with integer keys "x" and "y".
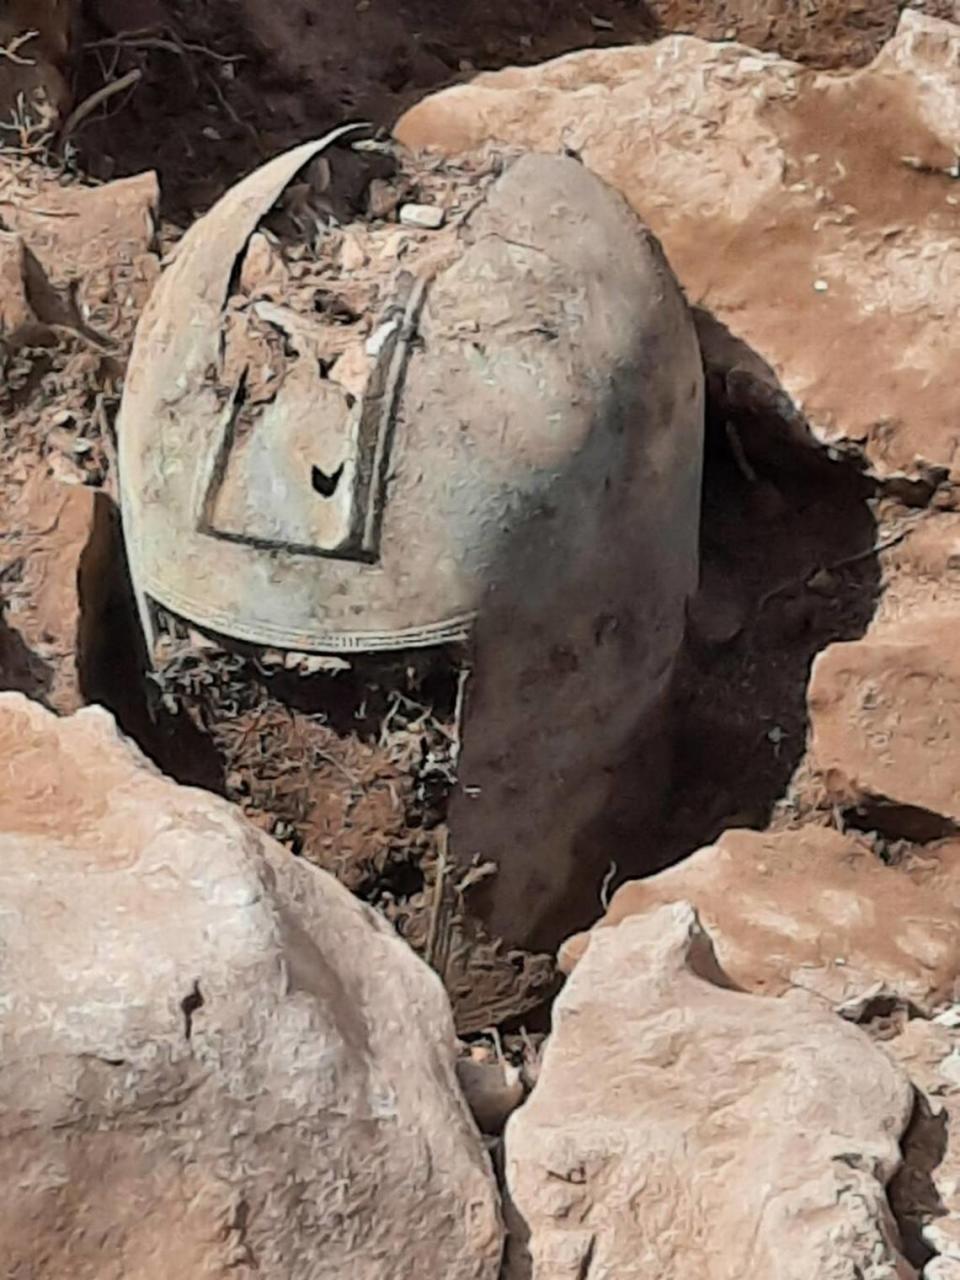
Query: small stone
{"x": 64, "y": 471}
{"x": 942, "y": 1269}
{"x": 715, "y": 619}
{"x": 260, "y": 263}
{"x": 352, "y": 255}
{"x": 823, "y": 582}
{"x": 426, "y": 216}
{"x": 19, "y": 324}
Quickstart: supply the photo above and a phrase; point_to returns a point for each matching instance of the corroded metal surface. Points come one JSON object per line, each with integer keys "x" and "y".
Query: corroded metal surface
{"x": 497, "y": 385}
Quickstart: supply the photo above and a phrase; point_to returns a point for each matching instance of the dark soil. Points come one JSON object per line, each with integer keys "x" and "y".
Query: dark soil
{"x": 227, "y": 85}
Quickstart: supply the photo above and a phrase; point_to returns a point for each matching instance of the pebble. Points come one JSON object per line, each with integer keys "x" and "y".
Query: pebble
{"x": 352, "y": 254}
{"x": 426, "y": 216}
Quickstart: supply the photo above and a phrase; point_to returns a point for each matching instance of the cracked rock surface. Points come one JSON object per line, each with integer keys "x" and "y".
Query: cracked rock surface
{"x": 812, "y": 214}
{"x": 715, "y": 1133}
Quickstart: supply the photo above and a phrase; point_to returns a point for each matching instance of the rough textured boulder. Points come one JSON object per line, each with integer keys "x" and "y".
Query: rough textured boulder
{"x": 816, "y": 910}
{"x": 213, "y": 1060}
{"x": 680, "y": 1129}
{"x": 885, "y": 712}
{"x": 813, "y": 214}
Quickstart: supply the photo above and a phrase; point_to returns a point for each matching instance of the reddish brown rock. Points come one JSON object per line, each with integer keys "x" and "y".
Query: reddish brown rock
{"x": 215, "y": 1061}
{"x": 681, "y": 1129}
{"x": 19, "y": 323}
{"x": 96, "y": 247}
{"x": 816, "y": 910}
{"x": 76, "y": 266}
{"x": 57, "y": 554}
{"x": 813, "y": 214}
{"x": 885, "y": 716}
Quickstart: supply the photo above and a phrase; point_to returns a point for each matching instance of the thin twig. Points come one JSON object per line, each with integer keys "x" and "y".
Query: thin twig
{"x": 90, "y": 104}
{"x": 335, "y": 764}
{"x": 456, "y": 736}
{"x": 237, "y": 120}
{"x": 11, "y": 50}
{"x": 133, "y": 40}
{"x": 494, "y": 1034}
{"x": 436, "y": 907}
{"x": 884, "y": 544}
{"x": 608, "y": 880}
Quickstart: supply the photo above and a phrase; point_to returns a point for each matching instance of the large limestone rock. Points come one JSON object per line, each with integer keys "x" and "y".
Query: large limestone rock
{"x": 213, "y": 1060}
{"x": 814, "y": 214}
{"x": 816, "y": 910}
{"x": 885, "y": 715}
{"x": 679, "y": 1129}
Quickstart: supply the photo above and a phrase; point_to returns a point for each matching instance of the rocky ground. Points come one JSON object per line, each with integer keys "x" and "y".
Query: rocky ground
{"x": 772, "y": 1066}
